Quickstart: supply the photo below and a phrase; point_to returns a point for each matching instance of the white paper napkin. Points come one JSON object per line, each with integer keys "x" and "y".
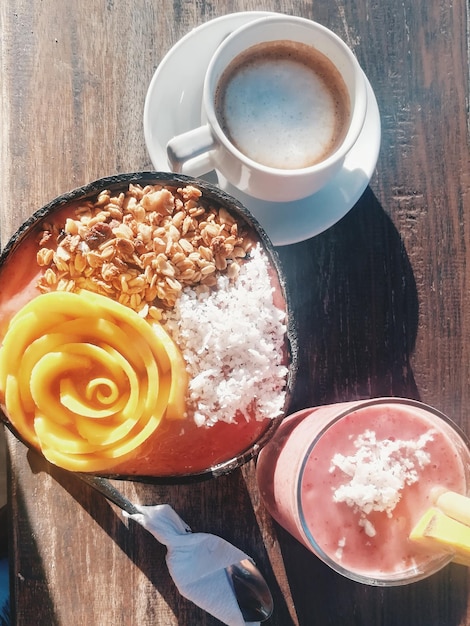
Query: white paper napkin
{"x": 196, "y": 562}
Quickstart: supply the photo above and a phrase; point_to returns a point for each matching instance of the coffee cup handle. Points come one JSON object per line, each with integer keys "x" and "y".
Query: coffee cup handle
{"x": 189, "y": 153}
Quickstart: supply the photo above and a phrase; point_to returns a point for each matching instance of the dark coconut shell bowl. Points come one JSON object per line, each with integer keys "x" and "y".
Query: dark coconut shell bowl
{"x": 217, "y": 448}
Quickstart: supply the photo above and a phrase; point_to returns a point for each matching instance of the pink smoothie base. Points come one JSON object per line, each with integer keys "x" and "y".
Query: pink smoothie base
{"x": 297, "y": 486}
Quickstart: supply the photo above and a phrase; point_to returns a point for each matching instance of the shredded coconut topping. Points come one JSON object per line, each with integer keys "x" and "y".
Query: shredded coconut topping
{"x": 340, "y": 548}
{"x": 232, "y": 339}
{"x": 378, "y": 472}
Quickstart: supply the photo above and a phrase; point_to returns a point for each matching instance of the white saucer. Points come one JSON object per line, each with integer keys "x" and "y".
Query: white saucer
{"x": 173, "y": 106}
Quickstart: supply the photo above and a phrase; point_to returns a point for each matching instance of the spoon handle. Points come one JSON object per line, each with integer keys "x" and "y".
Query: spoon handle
{"x": 109, "y": 491}
{"x": 250, "y": 588}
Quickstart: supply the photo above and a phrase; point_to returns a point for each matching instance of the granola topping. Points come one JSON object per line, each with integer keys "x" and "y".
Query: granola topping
{"x": 142, "y": 247}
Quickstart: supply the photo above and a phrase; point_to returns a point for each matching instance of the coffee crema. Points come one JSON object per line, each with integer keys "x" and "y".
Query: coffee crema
{"x": 283, "y": 104}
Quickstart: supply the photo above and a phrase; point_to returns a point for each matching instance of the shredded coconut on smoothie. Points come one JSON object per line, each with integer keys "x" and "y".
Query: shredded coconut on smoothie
{"x": 378, "y": 471}
{"x": 232, "y": 340}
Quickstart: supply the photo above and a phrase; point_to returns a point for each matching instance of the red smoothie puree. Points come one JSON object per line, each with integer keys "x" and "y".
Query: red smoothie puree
{"x": 355, "y": 496}
{"x": 178, "y": 446}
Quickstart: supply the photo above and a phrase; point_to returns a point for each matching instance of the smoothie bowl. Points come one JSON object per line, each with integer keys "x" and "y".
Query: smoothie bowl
{"x": 145, "y": 330}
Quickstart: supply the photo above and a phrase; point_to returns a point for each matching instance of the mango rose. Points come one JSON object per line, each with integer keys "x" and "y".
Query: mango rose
{"x": 87, "y": 380}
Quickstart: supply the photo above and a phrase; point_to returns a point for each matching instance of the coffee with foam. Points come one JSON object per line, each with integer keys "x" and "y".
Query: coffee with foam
{"x": 283, "y": 104}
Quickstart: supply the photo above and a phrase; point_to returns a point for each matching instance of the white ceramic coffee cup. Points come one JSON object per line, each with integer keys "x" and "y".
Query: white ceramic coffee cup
{"x": 207, "y": 147}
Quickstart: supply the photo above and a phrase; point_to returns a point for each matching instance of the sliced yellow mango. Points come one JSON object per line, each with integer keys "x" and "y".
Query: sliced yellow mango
{"x": 22, "y": 330}
{"x": 36, "y": 350}
{"x": 56, "y": 436}
{"x": 86, "y": 406}
{"x": 141, "y": 331}
{"x": 176, "y": 407}
{"x": 88, "y": 380}
{"x": 438, "y": 532}
{"x": 23, "y": 422}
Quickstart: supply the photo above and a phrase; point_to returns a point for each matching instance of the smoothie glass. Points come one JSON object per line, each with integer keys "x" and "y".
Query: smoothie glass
{"x": 351, "y": 480}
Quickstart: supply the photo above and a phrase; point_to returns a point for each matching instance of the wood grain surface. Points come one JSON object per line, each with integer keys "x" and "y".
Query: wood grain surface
{"x": 382, "y": 298}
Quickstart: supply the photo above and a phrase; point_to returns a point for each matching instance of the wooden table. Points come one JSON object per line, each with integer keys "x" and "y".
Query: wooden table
{"x": 382, "y": 298}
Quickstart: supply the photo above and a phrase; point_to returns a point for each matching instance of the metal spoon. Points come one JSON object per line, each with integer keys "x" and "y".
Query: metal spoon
{"x": 250, "y": 588}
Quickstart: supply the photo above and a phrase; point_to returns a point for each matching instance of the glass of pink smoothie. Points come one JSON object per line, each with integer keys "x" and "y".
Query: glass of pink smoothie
{"x": 350, "y": 481}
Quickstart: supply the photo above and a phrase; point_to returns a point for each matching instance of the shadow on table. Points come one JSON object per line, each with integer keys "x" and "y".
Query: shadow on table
{"x": 221, "y": 506}
{"x": 30, "y": 585}
{"x": 335, "y": 601}
{"x": 356, "y": 304}
{"x": 210, "y": 501}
